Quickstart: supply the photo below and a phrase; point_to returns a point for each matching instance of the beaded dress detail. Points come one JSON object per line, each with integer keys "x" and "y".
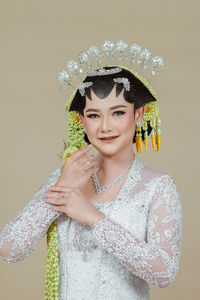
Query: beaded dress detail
{"x": 137, "y": 242}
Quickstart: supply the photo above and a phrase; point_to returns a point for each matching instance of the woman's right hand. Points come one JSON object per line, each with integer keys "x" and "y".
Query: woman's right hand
{"x": 75, "y": 171}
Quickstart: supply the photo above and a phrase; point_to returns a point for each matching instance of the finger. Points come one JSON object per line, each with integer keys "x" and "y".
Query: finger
{"x": 53, "y": 194}
{"x": 56, "y": 201}
{"x": 80, "y": 152}
{"x": 59, "y": 208}
{"x": 85, "y": 158}
{"x": 92, "y": 164}
{"x": 92, "y": 170}
{"x": 61, "y": 188}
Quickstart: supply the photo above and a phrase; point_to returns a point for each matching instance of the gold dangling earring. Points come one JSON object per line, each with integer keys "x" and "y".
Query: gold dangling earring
{"x": 139, "y": 136}
{"x": 154, "y": 134}
{"x": 146, "y": 138}
{"x": 158, "y": 123}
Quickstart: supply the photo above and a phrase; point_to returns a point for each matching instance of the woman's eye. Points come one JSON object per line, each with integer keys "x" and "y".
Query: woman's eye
{"x": 91, "y": 116}
{"x": 119, "y": 112}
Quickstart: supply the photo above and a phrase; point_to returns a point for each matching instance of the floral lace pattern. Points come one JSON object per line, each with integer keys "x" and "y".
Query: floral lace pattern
{"x": 20, "y": 237}
{"x": 156, "y": 260}
{"x": 84, "y": 241}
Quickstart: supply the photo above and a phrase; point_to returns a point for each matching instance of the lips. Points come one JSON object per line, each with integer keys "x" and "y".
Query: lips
{"x": 108, "y": 138}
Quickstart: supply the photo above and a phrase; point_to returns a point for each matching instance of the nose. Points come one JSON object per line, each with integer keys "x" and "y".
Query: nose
{"x": 106, "y": 124}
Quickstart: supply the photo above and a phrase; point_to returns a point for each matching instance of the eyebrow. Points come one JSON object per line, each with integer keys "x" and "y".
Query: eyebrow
{"x": 113, "y": 107}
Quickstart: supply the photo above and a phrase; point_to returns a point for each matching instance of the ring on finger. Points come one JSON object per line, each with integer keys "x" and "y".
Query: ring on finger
{"x": 62, "y": 196}
{"x": 88, "y": 164}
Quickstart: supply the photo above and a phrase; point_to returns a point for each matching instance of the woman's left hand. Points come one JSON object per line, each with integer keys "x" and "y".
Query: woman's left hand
{"x": 74, "y": 204}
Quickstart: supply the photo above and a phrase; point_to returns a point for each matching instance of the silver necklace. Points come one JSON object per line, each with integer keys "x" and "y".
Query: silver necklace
{"x": 99, "y": 188}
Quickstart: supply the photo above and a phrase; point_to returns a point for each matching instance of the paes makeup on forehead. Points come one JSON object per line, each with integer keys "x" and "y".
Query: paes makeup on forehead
{"x": 111, "y": 108}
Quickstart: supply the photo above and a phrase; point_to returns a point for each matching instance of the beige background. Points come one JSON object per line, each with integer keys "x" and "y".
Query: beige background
{"x": 37, "y": 38}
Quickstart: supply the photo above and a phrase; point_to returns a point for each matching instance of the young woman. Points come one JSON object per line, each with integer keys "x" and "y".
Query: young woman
{"x": 119, "y": 222}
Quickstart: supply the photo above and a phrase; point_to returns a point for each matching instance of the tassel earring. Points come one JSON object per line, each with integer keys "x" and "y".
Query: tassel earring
{"x": 152, "y": 116}
{"x": 139, "y": 136}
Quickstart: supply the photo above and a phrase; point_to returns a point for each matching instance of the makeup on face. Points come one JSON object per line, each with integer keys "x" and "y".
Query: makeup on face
{"x": 109, "y": 121}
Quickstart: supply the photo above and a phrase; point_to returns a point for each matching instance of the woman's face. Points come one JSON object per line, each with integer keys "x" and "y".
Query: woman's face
{"x": 110, "y": 117}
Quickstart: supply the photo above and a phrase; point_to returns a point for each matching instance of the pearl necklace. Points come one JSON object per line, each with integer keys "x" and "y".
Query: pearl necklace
{"x": 99, "y": 188}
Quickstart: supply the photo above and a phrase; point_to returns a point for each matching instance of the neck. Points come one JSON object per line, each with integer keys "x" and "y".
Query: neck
{"x": 111, "y": 166}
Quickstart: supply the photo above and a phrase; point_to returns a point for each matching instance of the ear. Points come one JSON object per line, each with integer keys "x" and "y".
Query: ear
{"x": 81, "y": 119}
{"x": 139, "y": 113}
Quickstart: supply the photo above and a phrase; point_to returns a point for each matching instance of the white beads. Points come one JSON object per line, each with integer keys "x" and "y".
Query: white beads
{"x": 104, "y": 56}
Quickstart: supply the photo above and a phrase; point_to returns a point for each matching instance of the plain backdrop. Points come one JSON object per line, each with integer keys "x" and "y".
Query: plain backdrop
{"x": 37, "y": 39}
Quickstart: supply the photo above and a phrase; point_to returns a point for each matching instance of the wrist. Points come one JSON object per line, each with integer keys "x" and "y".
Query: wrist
{"x": 95, "y": 218}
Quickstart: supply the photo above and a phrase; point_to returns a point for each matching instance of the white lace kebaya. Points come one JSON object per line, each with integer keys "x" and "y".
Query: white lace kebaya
{"x": 138, "y": 242}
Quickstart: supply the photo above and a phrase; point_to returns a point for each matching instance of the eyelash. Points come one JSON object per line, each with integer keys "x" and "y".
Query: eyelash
{"x": 119, "y": 111}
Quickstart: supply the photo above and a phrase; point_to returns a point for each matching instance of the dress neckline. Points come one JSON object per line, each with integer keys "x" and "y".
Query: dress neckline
{"x": 134, "y": 175}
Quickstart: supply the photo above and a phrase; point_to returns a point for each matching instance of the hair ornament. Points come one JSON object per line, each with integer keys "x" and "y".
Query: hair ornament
{"x": 73, "y": 68}
{"x": 120, "y": 48}
{"x": 83, "y": 86}
{"x": 124, "y": 81}
{"x": 84, "y": 61}
{"x": 143, "y": 58}
{"x": 64, "y": 77}
{"x": 157, "y": 63}
{"x": 134, "y": 51}
{"x": 104, "y": 71}
{"x": 109, "y": 54}
{"x": 107, "y": 48}
{"x": 95, "y": 53}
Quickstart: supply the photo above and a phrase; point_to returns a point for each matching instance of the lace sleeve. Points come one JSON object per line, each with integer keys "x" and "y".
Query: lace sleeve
{"x": 21, "y": 236}
{"x": 157, "y": 260}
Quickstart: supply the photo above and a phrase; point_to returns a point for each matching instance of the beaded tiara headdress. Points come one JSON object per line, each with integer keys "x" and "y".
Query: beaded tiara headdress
{"x": 115, "y": 55}
{"x": 96, "y": 57}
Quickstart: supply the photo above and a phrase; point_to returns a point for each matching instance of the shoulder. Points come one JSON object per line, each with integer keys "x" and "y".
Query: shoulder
{"x": 163, "y": 187}
{"x": 150, "y": 173}
{"x": 159, "y": 179}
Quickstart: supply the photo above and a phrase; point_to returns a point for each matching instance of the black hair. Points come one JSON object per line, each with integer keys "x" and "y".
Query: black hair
{"x": 102, "y": 87}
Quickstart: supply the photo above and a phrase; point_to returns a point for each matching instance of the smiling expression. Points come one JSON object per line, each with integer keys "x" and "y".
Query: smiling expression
{"x": 109, "y": 117}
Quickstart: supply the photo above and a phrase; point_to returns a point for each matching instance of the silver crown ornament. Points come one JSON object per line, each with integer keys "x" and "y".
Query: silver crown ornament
{"x": 109, "y": 54}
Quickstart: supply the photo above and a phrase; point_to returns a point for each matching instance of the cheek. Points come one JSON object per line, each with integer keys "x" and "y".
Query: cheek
{"x": 127, "y": 124}
{"x": 91, "y": 126}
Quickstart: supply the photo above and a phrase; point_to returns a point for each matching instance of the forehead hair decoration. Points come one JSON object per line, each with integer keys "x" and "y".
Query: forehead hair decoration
{"x": 117, "y": 56}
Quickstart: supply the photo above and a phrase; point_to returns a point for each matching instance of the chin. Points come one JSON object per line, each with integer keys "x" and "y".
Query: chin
{"x": 107, "y": 149}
